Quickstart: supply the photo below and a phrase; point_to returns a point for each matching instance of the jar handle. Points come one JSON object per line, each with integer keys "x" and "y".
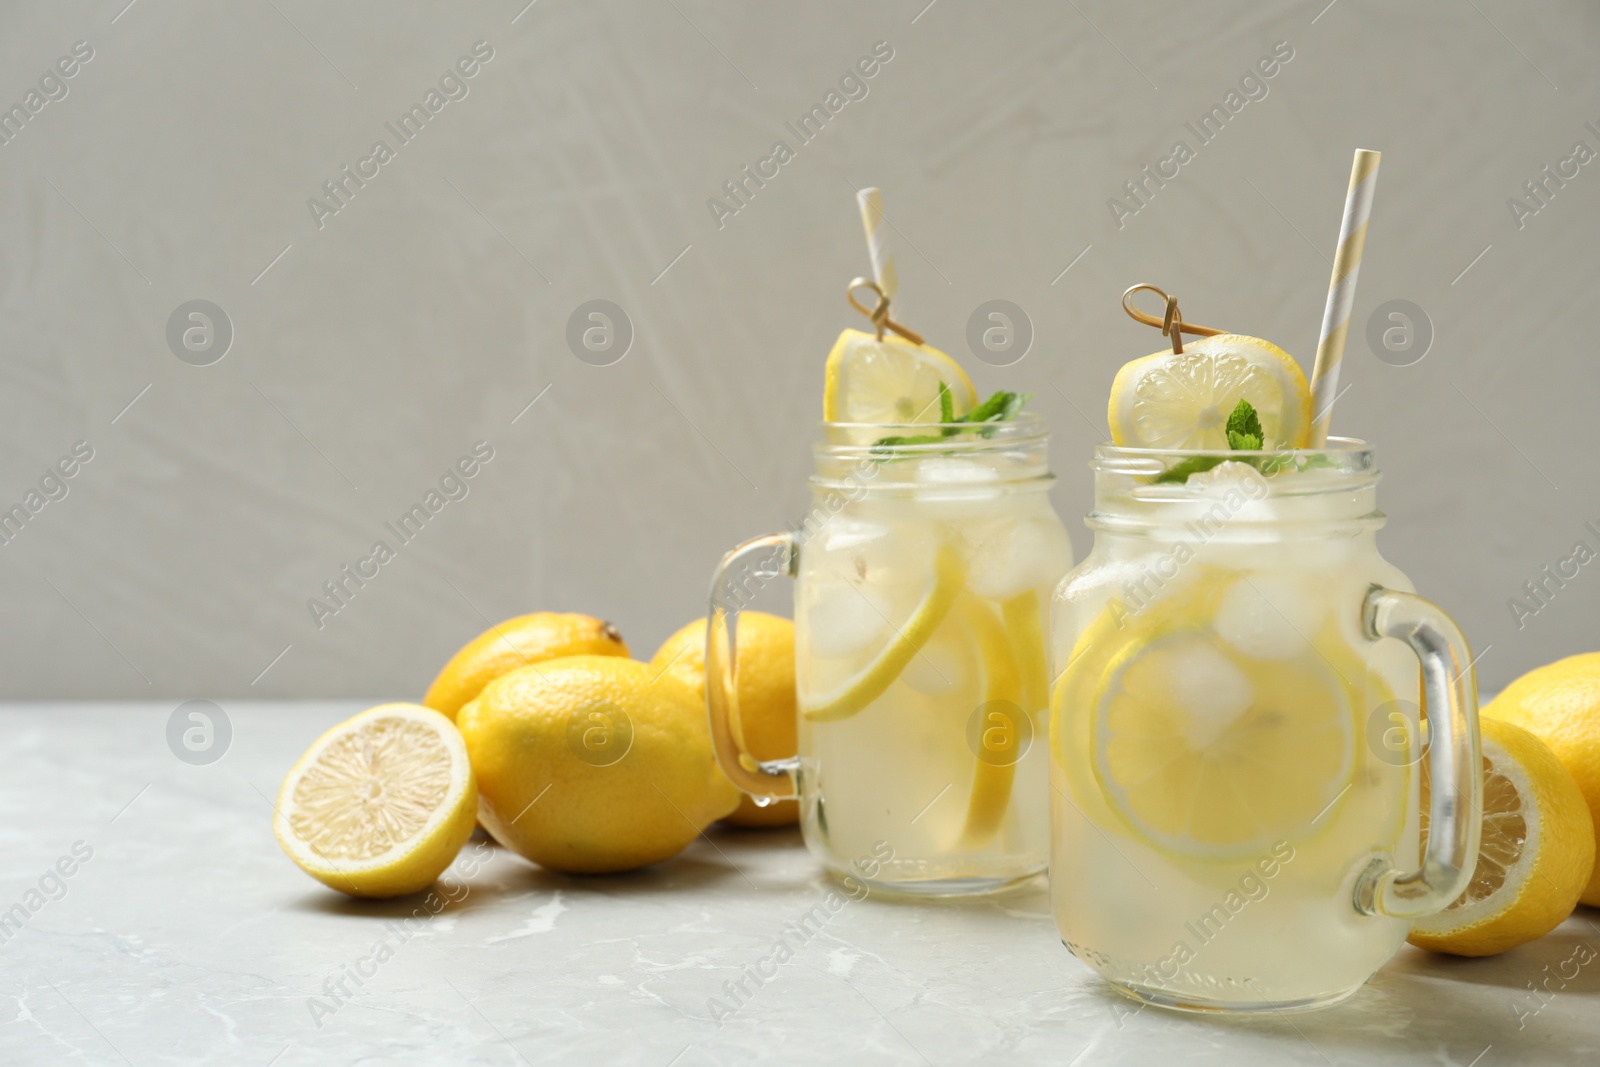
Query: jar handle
{"x": 733, "y": 585}
{"x": 1454, "y": 754}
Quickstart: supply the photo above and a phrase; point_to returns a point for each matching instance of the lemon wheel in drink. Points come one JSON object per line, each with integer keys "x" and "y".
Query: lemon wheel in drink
{"x": 1201, "y": 748}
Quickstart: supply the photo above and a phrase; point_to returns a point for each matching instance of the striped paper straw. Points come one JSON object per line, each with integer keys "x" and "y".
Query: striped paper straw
{"x": 1342, "y": 293}
{"x": 871, "y": 203}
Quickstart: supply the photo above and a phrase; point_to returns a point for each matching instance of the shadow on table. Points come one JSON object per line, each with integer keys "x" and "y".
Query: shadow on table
{"x": 501, "y": 873}
{"x": 1566, "y": 959}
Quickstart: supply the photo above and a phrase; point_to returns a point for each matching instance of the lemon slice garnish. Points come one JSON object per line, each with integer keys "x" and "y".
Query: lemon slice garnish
{"x": 1534, "y": 861}
{"x": 890, "y": 381}
{"x": 379, "y": 805}
{"x": 868, "y": 684}
{"x": 1182, "y": 401}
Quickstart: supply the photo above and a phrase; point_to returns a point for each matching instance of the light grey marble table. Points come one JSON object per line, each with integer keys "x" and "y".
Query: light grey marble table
{"x": 186, "y": 936}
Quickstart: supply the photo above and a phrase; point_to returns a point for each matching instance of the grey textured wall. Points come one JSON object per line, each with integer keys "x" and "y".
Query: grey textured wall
{"x": 373, "y": 347}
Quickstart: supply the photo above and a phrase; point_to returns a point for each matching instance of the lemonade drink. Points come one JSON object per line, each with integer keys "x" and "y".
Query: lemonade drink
{"x": 1233, "y": 754}
{"x": 921, "y": 615}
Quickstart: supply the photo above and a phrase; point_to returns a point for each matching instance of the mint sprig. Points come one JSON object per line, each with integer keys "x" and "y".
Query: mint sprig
{"x": 1244, "y": 435}
{"x": 1244, "y": 428}
{"x": 1002, "y": 406}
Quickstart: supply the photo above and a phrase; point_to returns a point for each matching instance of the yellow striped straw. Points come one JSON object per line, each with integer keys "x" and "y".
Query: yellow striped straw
{"x": 871, "y": 203}
{"x": 1342, "y": 293}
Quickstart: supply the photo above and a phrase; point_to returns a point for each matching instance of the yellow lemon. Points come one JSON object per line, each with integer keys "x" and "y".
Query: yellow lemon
{"x": 379, "y": 805}
{"x": 593, "y": 764}
{"x": 1182, "y": 401}
{"x": 765, "y": 702}
{"x": 1537, "y": 852}
{"x": 516, "y": 643}
{"x": 1560, "y": 704}
{"x": 890, "y": 381}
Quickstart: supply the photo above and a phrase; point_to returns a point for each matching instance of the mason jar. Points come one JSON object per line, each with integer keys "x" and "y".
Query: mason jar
{"x": 1235, "y": 733}
{"x": 923, "y": 572}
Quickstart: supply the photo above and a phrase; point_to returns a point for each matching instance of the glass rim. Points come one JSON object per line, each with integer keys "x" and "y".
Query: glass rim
{"x": 1336, "y": 446}
{"x": 1031, "y": 421}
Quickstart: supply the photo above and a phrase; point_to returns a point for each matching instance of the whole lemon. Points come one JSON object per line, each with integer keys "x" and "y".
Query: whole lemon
{"x": 766, "y": 696}
{"x": 536, "y": 638}
{"x": 1559, "y": 704}
{"x": 593, "y": 764}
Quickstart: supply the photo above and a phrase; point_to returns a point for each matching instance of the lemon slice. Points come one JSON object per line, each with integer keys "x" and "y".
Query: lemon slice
{"x": 1007, "y": 649}
{"x": 1537, "y": 851}
{"x": 379, "y": 805}
{"x": 868, "y": 684}
{"x": 1182, "y": 401}
{"x": 1205, "y": 743}
{"x": 1214, "y": 755}
{"x": 890, "y": 381}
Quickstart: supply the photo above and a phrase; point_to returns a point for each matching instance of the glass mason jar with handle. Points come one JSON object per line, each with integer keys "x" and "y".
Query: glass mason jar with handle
{"x": 923, "y": 572}
{"x": 1237, "y": 764}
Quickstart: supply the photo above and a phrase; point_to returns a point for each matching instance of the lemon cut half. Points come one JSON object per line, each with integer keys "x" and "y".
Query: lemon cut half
{"x": 1536, "y": 854}
{"x": 379, "y": 805}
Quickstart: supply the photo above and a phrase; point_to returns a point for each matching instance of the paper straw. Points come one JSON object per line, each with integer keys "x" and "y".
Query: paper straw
{"x": 1342, "y": 293}
{"x": 871, "y": 203}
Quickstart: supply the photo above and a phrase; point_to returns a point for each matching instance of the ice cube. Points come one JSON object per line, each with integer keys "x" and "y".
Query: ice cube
{"x": 1269, "y": 616}
{"x": 946, "y": 665}
{"x": 1212, "y": 691}
{"x": 841, "y": 618}
{"x": 1224, "y": 476}
{"x": 949, "y": 487}
{"x": 946, "y": 470}
{"x": 1006, "y": 557}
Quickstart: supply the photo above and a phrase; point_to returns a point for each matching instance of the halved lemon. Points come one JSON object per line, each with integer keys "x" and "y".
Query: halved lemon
{"x": 890, "y": 381}
{"x": 1537, "y": 851}
{"x": 869, "y": 683}
{"x": 1182, "y": 401}
{"x": 379, "y": 805}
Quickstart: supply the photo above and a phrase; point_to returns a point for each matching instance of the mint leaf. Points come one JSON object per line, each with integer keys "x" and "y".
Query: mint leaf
{"x": 889, "y": 444}
{"x": 1243, "y": 442}
{"x": 1246, "y": 424}
{"x": 990, "y": 410}
{"x": 1244, "y": 435}
{"x": 1180, "y": 471}
{"x": 1001, "y": 407}
{"x": 1013, "y": 405}
{"x": 1288, "y": 459}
